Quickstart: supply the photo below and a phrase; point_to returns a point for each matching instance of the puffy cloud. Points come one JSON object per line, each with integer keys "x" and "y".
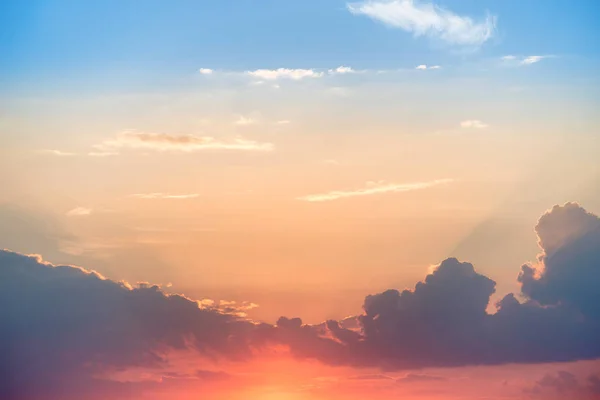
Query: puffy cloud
{"x": 65, "y": 326}
{"x": 62, "y": 325}
{"x": 569, "y": 274}
{"x": 184, "y": 143}
{"x": 206, "y": 71}
{"x": 426, "y": 19}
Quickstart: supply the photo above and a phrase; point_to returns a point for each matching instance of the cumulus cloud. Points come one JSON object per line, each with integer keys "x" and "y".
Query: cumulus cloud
{"x": 373, "y": 188}
{"x": 423, "y": 18}
{"x": 473, "y": 124}
{"x": 206, "y": 71}
{"x": 569, "y": 269}
{"x": 183, "y": 143}
{"x": 64, "y": 325}
{"x": 79, "y": 212}
{"x": 284, "y": 73}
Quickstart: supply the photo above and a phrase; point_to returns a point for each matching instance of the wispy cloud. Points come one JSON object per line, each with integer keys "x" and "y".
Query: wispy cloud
{"x": 102, "y": 153}
{"x": 184, "y": 143}
{"x": 373, "y": 188}
{"x": 58, "y": 153}
{"x": 79, "y": 212}
{"x": 206, "y": 71}
{"x": 423, "y": 18}
{"x": 283, "y": 122}
{"x": 425, "y": 67}
{"x": 168, "y": 196}
{"x": 523, "y": 60}
{"x": 473, "y": 124}
{"x": 284, "y": 73}
{"x": 244, "y": 121}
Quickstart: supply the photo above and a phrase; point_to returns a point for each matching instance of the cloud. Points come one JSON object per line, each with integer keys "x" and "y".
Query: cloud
{"x": 102, "y": 153}
{"x": 283, "y": 122}
{"x": 206, "y": 71}
{"x": 425, "y": 67}
{"x": 411, "y": 378}
{"x": 284, "y": 73}
{"x": 165, "y": 196}
{"x": 342, "y": 70}
{"x": 79, "y": 212}
{"x": 374, "y": 188}
{"x": 243, "y": 121}
{"x": 569, "y": 270}
{"x": 473, "y": 124}
{"x": 426, "y": 19}
{"x": 58, "y": 153}
{"x": 564, "y": 385}
{"x": 183, "y": 143}
{"x": 65, "y": 327}
{"x": 523, "y": 61}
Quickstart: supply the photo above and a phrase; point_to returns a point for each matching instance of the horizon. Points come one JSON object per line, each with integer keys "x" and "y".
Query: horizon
{"x": 315, "y": 200}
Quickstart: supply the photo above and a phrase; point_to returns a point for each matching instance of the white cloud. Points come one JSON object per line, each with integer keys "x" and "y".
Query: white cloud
{"x": 422, "y": 18}
{"x": 169, "y": 196}
{"x": 284, "y": 73}
{"x": 102, "y": 153}
{"x": 523, "y": 60}
{"x": 373, "y": 188}
{"x": 473, "y": 123}
{"x": 243, "y": 121}
{"x": 342, "y": 70}
{"x": 79, "y": 212}
{"x": 532, "y": 59}
{"x": 283, "y": 122}
{"x": 425, "y": 67}
{"x": 58, "y": 153}
{"x": 206, "y": 71}
{"x": 184, "y": 143}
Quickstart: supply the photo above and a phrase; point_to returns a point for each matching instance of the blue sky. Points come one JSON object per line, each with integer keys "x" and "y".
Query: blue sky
{"x": 100, "y": 43}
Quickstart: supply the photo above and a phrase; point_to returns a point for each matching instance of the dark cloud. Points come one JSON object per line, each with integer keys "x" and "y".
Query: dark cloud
{"x": 411, "y": 378}
{"x": 565, "y": 385}
{"x": 64, "y": 326}
{"x": 570, "y": 239}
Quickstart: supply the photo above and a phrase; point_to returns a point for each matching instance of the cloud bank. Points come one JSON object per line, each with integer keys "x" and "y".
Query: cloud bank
{"x": 63, "y": 326}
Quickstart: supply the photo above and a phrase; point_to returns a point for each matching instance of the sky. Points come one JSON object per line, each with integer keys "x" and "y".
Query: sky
{"x": 295, "y": 200}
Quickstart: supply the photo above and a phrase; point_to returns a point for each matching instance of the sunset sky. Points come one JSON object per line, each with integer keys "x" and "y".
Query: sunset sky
{"x": 220, "y": 164}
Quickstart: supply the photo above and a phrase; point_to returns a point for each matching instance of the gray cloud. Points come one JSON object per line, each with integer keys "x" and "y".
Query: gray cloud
{"x": 63, "y": 326}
